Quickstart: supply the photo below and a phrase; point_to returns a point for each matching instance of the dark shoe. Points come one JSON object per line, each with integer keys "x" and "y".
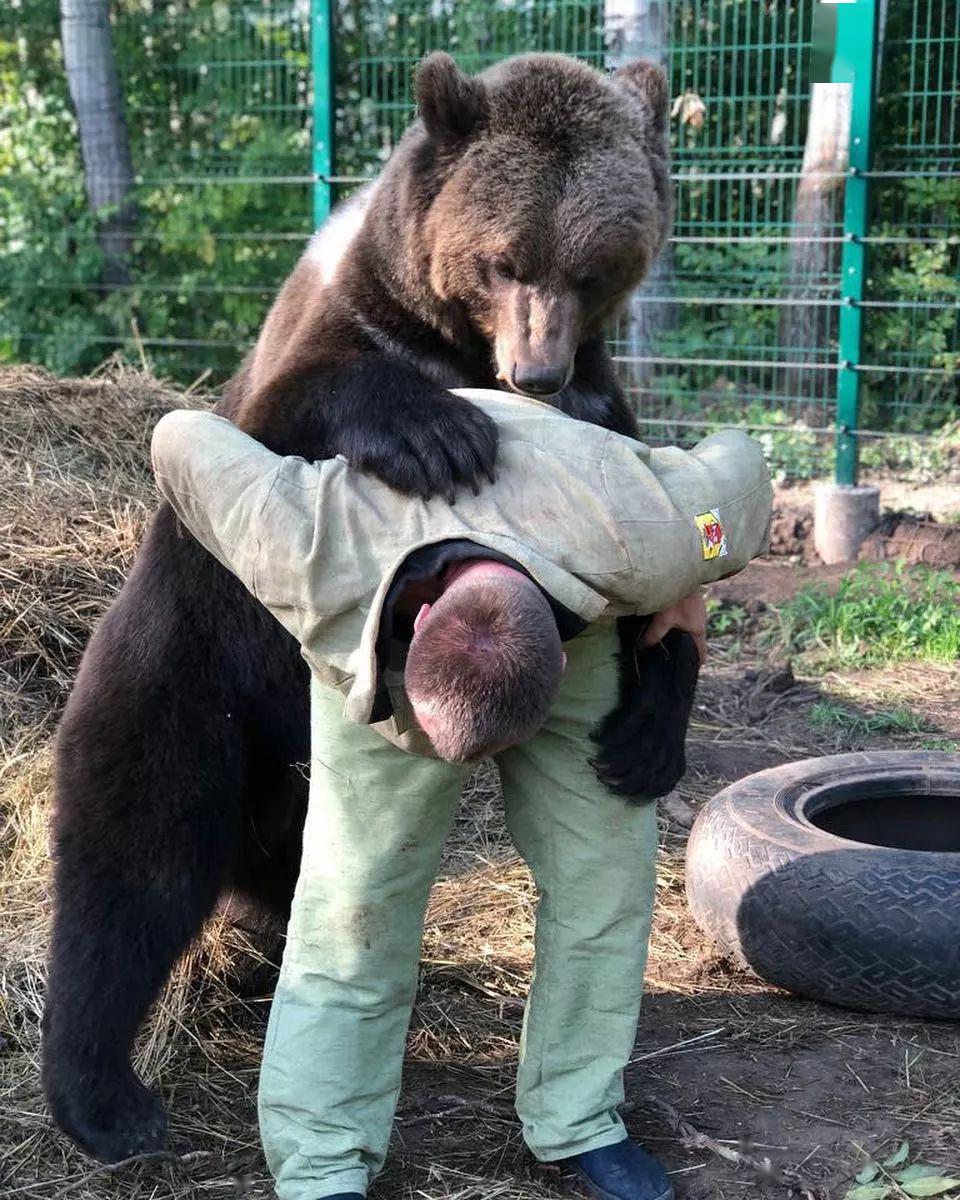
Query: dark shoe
{"x": 622, "y": 1171}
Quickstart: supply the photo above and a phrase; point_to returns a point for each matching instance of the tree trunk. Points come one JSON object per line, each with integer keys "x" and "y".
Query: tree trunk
{"x": 636, "y": 29}
{"x": 881, "y": 41}
{"x": 805, "y": 328}
{"x": 104, "y": 141}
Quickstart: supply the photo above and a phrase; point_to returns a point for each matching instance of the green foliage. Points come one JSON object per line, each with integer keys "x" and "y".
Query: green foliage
{"x": 831, "y": 716}
{"x": 896, "y": 1176}
{"x": 917, "y": 272}
{"x": 922, "y": 460}
{"x": 724, "y": 618}
{"x": 207, "y": 257}
{"x": 792, "y": 451}
{"x": 876, "y": 616}
{"x": 42, "y": 198}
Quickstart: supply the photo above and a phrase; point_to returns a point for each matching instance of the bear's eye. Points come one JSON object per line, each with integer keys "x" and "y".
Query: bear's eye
{"x": 503, "y": 268}
{"x": 588, "y": 281}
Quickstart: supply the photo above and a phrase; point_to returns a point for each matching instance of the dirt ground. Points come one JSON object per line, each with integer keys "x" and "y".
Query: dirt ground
{"x": 744, "y": 1091}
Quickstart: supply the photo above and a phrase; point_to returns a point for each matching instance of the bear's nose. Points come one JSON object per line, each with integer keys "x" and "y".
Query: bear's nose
{"x": 539, "y": 380}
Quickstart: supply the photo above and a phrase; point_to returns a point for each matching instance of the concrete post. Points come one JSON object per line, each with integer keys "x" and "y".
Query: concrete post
{"x": 844, "y": 515}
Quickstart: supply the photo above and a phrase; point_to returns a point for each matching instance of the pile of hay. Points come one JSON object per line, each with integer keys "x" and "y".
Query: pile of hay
{"x": 75, "y": 489}
{"x": 75, "y": 492}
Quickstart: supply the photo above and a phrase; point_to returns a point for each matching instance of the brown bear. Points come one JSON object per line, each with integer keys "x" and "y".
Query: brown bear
{"x": 514, "y": 217}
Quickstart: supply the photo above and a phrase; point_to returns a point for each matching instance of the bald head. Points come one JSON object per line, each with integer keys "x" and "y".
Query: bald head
{"x": 485, "y": 662}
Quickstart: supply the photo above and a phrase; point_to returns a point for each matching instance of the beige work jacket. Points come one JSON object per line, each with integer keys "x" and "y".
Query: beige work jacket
{"x": 602, "y": 523}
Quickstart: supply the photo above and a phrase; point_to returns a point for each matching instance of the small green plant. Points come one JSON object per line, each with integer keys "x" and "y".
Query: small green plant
{"x": 728, "y": 625}
{"x": 830, "y": 715}
{"x": 724, "y": 618}
{"x": 876, "y": 616}
{"x": 793, "y": 451}
{"x": 897, "y": 1176}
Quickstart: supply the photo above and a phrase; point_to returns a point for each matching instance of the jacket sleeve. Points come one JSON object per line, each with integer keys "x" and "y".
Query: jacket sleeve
{"x": 691, "y": 517}
{"x": 733, "y": 512}
{"x": 723, "y": 487}
{"x": 259, "y": 514}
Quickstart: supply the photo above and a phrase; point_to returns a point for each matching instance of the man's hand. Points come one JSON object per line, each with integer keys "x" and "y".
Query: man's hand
{"x": 689, "y": 615}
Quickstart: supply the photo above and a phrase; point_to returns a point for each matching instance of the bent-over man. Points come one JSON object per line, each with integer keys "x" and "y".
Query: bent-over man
{"x": 438, "y": 634}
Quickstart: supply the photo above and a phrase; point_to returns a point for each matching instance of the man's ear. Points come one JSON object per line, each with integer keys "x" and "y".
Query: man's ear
{"x": 648, "y": 81}
{"x": 421, "y": 616}
{"x": 424, "y": 719}
{"x": 452, "y": 104}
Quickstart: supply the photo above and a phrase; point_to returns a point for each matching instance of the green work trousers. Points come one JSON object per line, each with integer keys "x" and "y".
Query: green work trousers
{"x": 374, "y": 834}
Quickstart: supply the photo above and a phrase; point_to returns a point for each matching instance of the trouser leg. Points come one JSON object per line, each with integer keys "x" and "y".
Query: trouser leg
{"x": 332, "y": 1060}
{"x": 593, "y": 857}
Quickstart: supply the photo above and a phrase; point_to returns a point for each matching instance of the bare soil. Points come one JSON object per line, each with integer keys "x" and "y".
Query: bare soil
{"x": 743, "y": 1090}
{"x": 920, "y": 523}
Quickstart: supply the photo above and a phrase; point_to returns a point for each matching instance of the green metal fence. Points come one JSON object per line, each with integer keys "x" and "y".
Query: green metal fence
{"x": 794, "y": 295}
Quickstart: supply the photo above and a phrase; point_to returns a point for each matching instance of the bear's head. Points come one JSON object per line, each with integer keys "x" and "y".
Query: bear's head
{"x": 541, "y": 197}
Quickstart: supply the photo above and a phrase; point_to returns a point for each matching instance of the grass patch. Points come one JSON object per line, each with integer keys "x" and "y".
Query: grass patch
{"x": 829, "y": 716}
{"x": 876, "y": 616}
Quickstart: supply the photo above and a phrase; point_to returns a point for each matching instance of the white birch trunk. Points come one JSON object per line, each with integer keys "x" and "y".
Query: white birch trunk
{"x": 104, "y": 141}
{"x": 637, "y": 29}
{"x": 805, "y": 328}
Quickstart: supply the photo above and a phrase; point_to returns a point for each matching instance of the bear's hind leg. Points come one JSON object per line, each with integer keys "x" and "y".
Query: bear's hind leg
{"x": 142, "y": 849}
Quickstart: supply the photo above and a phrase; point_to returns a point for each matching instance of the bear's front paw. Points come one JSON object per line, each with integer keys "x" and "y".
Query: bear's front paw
{"x": 587, "y": 404}
{"x": 427, "y": 449}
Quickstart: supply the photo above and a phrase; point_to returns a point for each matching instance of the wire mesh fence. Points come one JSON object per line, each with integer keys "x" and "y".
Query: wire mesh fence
{"x": 741, "y": 321}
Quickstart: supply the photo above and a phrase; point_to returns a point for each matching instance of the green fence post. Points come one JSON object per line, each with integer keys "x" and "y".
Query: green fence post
{"x": 321, "y": 59}
{"x": 854, "y": 63}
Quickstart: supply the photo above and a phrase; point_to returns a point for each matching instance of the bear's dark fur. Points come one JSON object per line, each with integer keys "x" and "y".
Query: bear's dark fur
{"x": 512, "y": 220}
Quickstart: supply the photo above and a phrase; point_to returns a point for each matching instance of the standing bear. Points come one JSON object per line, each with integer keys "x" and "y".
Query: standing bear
{"x": 513, "y": 219}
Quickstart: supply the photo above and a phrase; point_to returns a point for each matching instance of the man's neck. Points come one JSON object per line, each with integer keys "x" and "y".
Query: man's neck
{"x": 418, "y": 592}
{"x": 477, "y": 567}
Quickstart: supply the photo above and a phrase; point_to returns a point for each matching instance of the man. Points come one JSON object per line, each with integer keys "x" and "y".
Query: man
{"x": 437, "y": 634}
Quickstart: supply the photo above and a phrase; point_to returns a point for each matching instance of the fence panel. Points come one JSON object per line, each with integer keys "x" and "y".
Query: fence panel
{"x": 218, "y": 110}
{"x": 913, "y": 294}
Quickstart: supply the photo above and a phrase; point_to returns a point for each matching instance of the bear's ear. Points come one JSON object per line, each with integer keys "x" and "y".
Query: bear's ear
{"x": 648, "y": 81}
{"x": 452, "y": 104}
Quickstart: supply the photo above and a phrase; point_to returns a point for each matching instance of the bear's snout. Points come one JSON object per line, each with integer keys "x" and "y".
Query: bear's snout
{"x": 539, "y": 380}
{"x": 537, "y": 335}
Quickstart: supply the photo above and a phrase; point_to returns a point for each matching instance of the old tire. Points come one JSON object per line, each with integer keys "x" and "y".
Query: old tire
{"x": 839, "y": 918}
